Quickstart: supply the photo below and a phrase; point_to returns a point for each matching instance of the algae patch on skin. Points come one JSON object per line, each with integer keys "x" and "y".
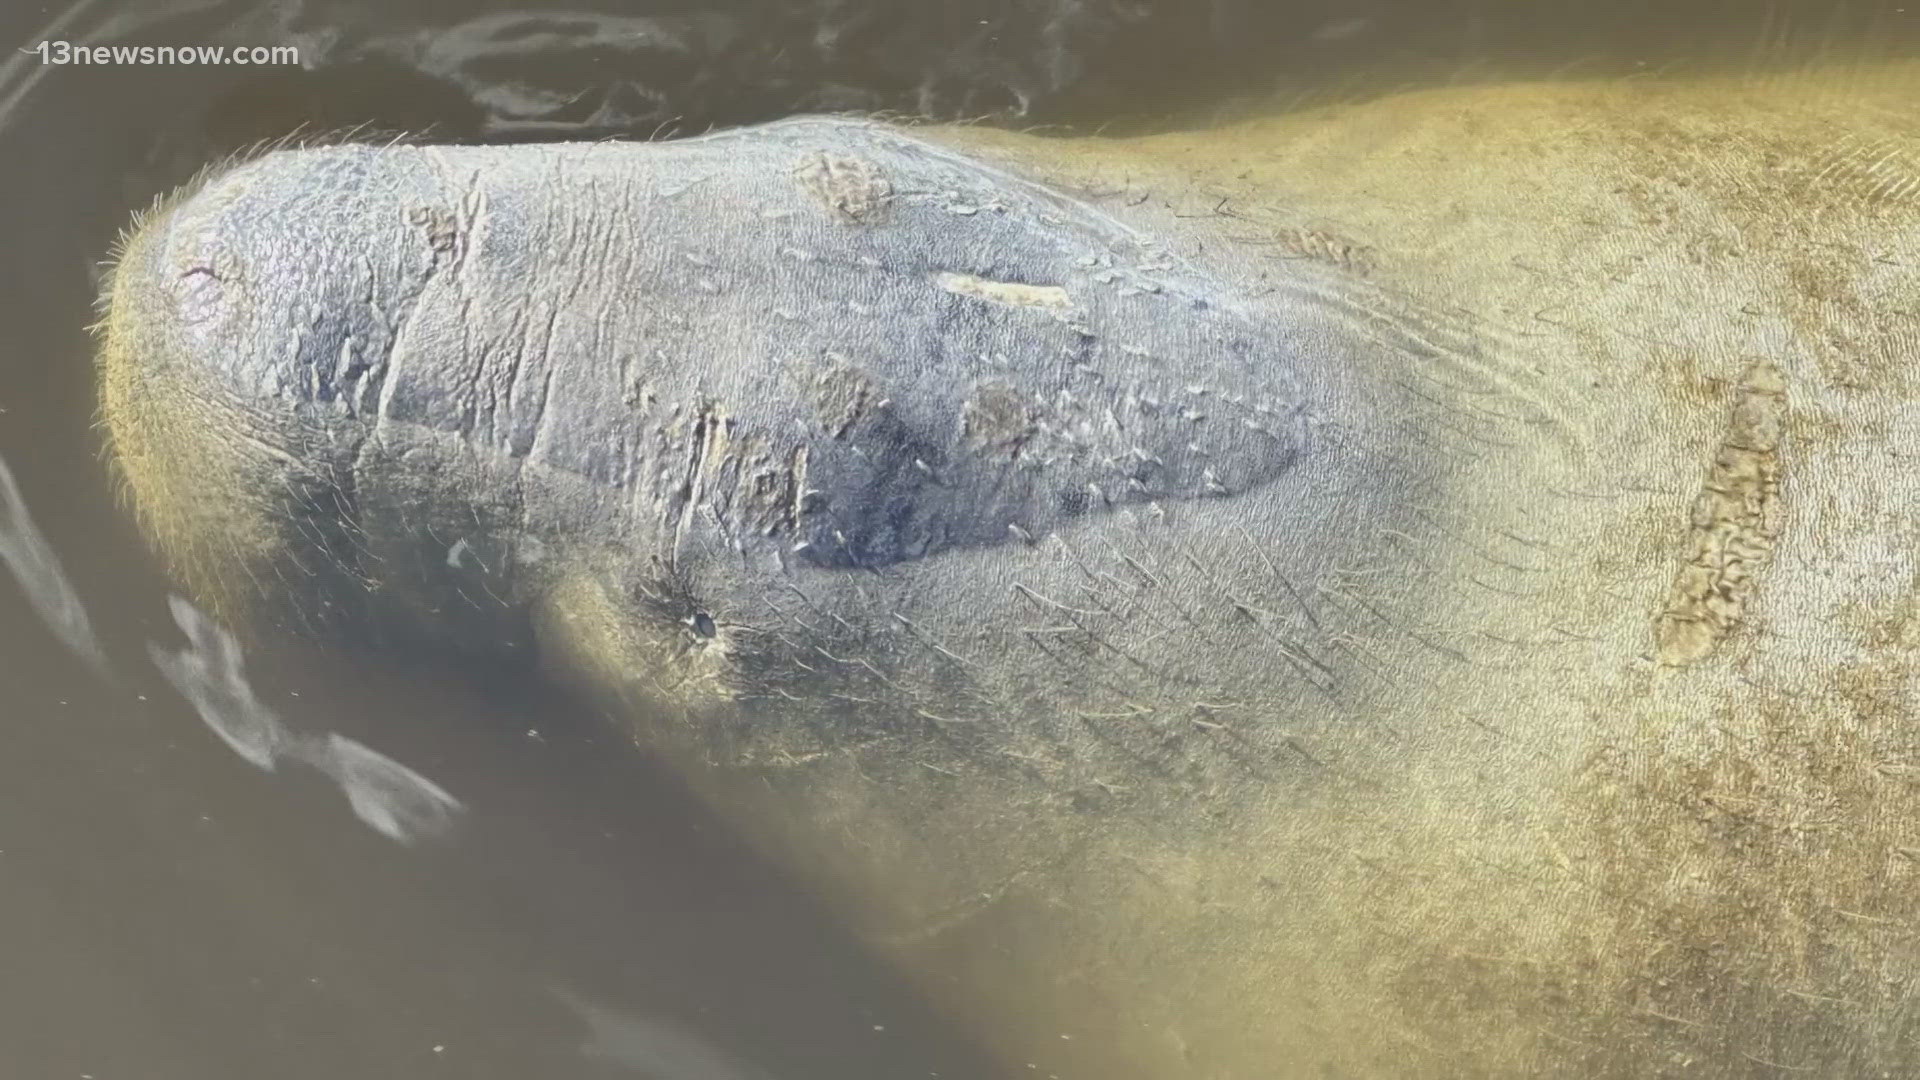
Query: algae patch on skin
{"x": 854, "y": 190}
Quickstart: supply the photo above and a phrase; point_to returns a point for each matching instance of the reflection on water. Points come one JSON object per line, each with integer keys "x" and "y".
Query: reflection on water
{"x": 651, "y": 1047}
{"x": 208, "y": 674}
{"x": 398, "y": 802}
{"x": 37, "y": 570}
{"x": 393, "y": 799}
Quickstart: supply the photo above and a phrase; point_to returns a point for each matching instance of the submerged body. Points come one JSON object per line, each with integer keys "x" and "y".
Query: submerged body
{"x": 1415, "y": 588}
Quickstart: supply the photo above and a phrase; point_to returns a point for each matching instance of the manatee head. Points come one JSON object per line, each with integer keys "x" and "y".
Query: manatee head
{"x": 807, "y": 347}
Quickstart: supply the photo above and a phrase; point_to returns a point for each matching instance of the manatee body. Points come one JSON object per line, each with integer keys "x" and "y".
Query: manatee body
{"x": 1413, "y": 588}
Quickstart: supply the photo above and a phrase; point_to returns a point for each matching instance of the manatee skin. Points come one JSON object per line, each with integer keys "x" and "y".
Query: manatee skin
{"x": 1363, "y": 592}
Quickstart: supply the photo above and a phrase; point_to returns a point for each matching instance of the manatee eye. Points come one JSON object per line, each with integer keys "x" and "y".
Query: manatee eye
{"x": 703, "y": 624}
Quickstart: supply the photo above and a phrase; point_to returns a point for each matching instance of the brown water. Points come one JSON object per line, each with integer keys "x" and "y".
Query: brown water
{"x": 539, "y": 902}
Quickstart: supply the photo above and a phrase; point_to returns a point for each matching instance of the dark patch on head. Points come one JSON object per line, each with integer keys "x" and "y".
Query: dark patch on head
{"x": 772, "y": 499}
{"x": 840, "y": 397}
{"x": 998, "y": 419}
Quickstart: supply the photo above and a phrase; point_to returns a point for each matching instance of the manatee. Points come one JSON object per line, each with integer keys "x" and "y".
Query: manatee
{"x": 1411, "y": 587}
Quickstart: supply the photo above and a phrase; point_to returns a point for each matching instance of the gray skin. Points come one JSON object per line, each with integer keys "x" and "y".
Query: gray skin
{"x": 1411, "y": 588}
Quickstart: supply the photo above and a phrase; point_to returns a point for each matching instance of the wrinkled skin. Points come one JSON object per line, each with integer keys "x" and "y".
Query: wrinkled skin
{"x": 1414, "y": 588}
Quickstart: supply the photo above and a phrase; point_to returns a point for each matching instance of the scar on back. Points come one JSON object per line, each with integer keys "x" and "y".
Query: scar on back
{"x": 1733, "y": 524}
{"x": 1010, "y": 293}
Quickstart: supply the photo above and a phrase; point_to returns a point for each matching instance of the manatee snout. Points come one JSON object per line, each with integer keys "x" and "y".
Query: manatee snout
{"x": 282, "y": 282}
{"x": 246, "y": 319}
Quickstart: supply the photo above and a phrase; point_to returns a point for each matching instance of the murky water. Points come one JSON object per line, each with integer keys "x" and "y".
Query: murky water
{"x": 316, "y": 861}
